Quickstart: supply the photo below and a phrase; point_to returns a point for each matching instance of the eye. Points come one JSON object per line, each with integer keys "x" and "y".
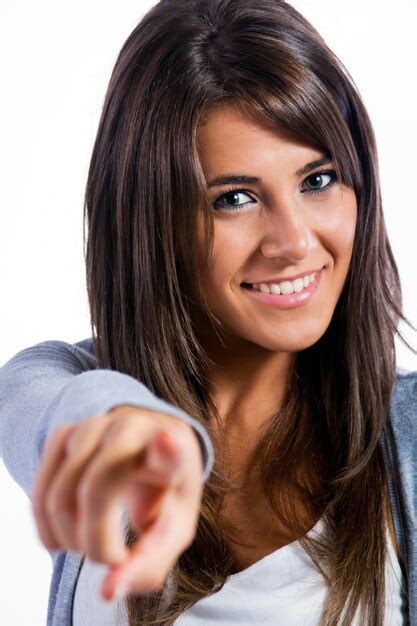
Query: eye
{"x": 231, "y": 199}
{"x": 316, "y": 180}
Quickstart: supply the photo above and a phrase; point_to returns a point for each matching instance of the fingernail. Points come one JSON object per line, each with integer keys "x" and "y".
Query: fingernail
{"x": 120, "y": 591}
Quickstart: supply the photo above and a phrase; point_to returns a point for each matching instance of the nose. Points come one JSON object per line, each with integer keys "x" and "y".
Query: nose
{"x": 287, "y": 233}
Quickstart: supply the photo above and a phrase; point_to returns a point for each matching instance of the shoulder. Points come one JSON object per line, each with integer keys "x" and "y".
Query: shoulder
{"x": 85, "y": 344}
{"x": 84, "y": 348}
{"x": 405, "y": 387}
{"x": 402, "y": 372}
{"x": 58, "y": 351}
{"x": 403, "y": 408}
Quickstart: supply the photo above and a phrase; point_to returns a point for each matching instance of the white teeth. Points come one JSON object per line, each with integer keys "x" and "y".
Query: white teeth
{"x": 275, "y": 289}
{"x": 287, "y": 286}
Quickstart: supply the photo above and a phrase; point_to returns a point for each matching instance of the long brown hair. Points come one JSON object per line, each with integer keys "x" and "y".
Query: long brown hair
{"x": 144, "y": 192}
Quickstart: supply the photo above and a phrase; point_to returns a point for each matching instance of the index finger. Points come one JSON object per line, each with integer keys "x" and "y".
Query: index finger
{"x": 125, "y": 460}
{"x": 155, "y": 553}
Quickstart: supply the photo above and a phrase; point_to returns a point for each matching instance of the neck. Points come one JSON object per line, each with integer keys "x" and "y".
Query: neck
{"x": 247, "y": 382}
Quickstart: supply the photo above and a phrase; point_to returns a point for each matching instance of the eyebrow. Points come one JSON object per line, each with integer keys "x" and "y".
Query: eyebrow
{"x": 236, "y": 179}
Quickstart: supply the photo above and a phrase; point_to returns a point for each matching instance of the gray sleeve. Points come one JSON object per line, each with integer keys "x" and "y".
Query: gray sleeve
{"x": 53, "y": 383}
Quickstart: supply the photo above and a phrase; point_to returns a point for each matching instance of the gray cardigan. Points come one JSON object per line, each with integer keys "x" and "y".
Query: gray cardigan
{"x": 54, "y": 382}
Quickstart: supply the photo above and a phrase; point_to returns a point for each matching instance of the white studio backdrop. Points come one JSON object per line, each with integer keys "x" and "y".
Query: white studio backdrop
{"x": 56, "y": 62}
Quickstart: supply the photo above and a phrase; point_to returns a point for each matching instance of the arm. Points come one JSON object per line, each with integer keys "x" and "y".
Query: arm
{"x": 53, "y": 383}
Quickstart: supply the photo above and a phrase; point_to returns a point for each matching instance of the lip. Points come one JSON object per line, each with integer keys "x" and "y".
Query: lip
{"x": 289, "y": 301}
{"x": 280, "y": 279}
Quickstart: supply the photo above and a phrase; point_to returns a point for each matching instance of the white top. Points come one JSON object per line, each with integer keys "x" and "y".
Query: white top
{"x": 282, "y": 589}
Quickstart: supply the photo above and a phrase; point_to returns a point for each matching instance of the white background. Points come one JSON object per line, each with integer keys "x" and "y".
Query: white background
{"x": 56, "y": 61}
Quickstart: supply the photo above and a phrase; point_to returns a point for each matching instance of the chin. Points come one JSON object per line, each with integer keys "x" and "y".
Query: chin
{"x": 288, "y": 339}
{"x": 287, "y": 345}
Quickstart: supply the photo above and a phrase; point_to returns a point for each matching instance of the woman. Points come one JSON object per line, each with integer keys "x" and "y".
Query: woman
{"x": 233, "y": 153}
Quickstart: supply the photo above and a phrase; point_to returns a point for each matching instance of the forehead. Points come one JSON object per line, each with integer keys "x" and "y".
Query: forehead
{"x": 229, "y": 139}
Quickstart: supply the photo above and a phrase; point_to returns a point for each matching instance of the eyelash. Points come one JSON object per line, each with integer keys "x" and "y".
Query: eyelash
{"x": 246, "y": 191}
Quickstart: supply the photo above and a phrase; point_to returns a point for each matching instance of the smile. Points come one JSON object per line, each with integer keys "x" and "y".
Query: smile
{"x": 288, "y": 294}
{"x": 285, "y": 287}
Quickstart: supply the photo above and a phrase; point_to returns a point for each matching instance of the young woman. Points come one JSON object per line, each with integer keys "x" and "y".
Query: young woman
{"x": 242, "y": 289}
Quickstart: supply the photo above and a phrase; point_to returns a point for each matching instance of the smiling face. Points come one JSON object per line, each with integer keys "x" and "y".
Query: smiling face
{"x": 279, "y": 226}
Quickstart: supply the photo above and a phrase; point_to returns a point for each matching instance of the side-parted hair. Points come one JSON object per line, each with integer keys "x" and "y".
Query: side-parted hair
{"x": 144, "y": 193}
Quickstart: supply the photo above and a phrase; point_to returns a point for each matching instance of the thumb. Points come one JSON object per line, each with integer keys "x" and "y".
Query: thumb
{"x": 163, "y": 455}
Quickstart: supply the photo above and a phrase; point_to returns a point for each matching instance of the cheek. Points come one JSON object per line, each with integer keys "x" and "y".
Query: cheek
{"x": 338, "y": 230}
{"x": 229, "y": 255}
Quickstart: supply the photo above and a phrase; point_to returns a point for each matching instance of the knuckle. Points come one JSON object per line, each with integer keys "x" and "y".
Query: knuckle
{"x": 123, "y": 423}
{"x": 50, "y": 504}
{"x": 154, "y": 581}
{"x": 54, "y": 438}
{"x": 59, "y": 433}
{"x": 168, "y": 420}
{"x": 190, "y": 536}
{"x": 57, "y": 438}
{"x": 56, "y": 504}
{"x": 86, "y": 491}
{"x": 37, "y": 504}
{"x": 60, "y": 430}
{"x": 181, "y": 436}
{"x": 80, "y": 439}
{"x": 76, "y": 433}
{"x": 178, "y": 424}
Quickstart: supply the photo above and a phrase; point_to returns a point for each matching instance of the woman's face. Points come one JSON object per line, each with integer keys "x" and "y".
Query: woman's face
{"x": 278, "y": 227}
